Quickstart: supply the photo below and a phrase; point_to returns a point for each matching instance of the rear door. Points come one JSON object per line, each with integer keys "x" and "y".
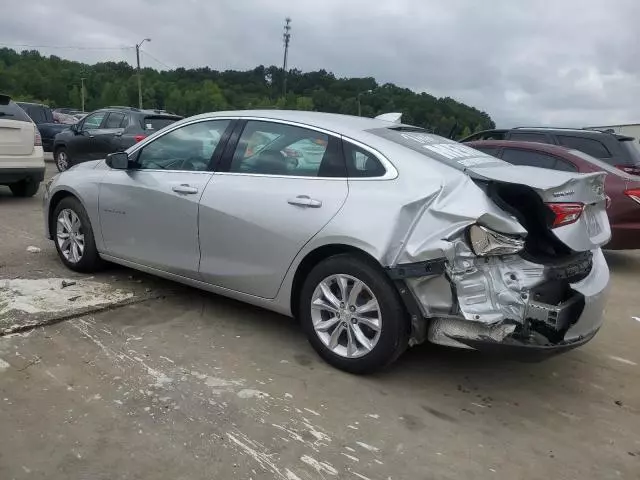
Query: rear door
{"x": 149, "y": 213}
{"x": 267, "y": 202}
{"x": 16, "y": 133}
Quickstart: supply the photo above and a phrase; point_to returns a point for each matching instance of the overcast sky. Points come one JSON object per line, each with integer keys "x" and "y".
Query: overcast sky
{"x": 563, "y": 62}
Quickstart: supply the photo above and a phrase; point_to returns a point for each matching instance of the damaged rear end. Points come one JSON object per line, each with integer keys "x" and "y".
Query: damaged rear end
{"x": 518, "y": 268}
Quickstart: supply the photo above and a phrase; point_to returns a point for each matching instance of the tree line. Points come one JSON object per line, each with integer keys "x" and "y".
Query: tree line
{"x": 30, "y": 76}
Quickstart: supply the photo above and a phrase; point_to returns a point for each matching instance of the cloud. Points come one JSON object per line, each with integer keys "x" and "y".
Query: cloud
{"x": 568, "y": 62}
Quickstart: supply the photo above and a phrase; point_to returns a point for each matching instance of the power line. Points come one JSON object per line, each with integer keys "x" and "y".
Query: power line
{"x": 159, "y": 61}
{"x": 70, "y": 47}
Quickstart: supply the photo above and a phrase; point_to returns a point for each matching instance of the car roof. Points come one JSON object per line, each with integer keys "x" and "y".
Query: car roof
{"x": 579, "y": 132}
{"x": 333, "y": 122}
{"x": 541, "y": 147}
{"x": 570, "y": 154}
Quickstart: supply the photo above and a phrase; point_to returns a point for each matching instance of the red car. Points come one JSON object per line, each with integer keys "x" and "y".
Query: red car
{"x": 622, "y": 188}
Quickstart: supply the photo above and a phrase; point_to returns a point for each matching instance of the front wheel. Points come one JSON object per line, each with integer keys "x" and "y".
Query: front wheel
{"x": 352, "y": 314}
{"x": 74, "y": 238}
{"x": 61, "y": 158}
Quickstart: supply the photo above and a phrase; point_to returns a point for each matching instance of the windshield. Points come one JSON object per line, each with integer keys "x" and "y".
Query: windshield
{"x": 439, "y": 148}
{"x": 633, "y": 149}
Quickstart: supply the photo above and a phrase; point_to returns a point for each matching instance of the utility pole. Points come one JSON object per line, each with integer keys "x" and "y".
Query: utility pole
{"x": 359, "y": 104}
{"x": 286, "y": 36}
{"x": 82, "y": 79}
{"x": 138, "y": 45}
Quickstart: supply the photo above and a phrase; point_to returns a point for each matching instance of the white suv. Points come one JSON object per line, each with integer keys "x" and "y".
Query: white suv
{"x": 21, "y": 154}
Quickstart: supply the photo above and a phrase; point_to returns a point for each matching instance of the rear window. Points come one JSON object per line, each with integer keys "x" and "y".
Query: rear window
{"x": 439, "y": 148}
{"x": 587, "y": 145}
{"x": 157, "y": 123}
{"x": 594, "y": 161}
{"x": 633, "y": 149}
{"x": 11, "y": 111}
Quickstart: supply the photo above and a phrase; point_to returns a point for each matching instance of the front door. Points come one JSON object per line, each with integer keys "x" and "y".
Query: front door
{"x": 283, "y": 184}
{"x": 83, "y": 146}
{"x": 107, "y": 137}
{"x": 149, "y": 213}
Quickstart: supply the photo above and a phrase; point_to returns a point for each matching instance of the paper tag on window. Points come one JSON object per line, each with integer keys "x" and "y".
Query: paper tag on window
{"x": 149, "y": 126}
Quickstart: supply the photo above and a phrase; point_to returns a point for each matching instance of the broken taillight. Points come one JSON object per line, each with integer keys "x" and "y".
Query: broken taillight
{"x": 633, "y": 194}
{"x": 565, "y": 213}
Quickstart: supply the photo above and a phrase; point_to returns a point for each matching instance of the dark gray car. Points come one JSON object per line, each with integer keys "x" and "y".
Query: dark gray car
{"x": 105, "y": 131}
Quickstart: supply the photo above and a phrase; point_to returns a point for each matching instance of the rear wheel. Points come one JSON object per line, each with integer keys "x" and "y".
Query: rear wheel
{"x": 25, "y": 188}
{"x": 352, "y": 314}
{"x": 74, "y": 238}
{"x": 61, "y": 158}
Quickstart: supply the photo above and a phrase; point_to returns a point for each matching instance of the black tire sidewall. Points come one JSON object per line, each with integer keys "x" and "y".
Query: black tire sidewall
{"x": 24, "y": 188}
{"x": 395, "y": 324}
{"x": 55, "y": 158}
{"x": 90, "y": 260}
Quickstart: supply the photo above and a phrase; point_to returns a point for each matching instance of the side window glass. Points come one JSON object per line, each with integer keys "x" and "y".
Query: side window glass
{"x": 529, "y": 158}
{"x": 114, "y": 120}
{"x": 186, "y": 148}
{"x": 361, "y": 163}
{"x": 586, "y": 145}
{"x": 278, "y": 149}
{"x": 93, "y": 121}
{"x": 528, "y": 137}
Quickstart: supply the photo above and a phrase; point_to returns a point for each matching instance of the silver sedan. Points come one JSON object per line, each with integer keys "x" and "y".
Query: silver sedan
{"x": 374, "y": 234}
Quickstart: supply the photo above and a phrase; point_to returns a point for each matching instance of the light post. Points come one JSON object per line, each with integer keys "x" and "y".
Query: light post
{"x": 138, "y": 45}
{"x": 359, "y": 105}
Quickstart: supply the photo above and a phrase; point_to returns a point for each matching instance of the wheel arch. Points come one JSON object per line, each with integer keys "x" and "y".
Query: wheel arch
{"x": 313, "y": 258}
{"x": 56, "y": 198}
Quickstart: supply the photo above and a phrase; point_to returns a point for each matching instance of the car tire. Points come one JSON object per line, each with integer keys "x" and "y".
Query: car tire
{"x": 25, "y": 188}
{"x": 386, "y": 343}
{"x": 75, "y": 226}
{"x": 61, "y": 158}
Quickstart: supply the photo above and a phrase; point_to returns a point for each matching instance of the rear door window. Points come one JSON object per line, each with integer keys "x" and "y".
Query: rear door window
{"x": 114, "y": 120}
{"x": 93, "y": 121}
{"x": 589, "y": 146}
{"x": 528, "y": 137}
{"x": 529, "y": 158}
{"x": 11, "y": 111}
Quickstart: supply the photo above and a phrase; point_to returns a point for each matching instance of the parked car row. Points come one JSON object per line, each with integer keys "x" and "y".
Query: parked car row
{"x": 581, "y": 151}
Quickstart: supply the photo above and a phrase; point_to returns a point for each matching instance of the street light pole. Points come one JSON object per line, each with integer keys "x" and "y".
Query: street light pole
{"x": 138, "y": 45}
{"x": 82, "y": 79}
{"x": 359, "y": 105}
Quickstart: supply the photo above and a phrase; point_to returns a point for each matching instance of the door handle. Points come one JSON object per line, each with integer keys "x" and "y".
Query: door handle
{"x": 185, "y": 188}
{"x": 305, "y": 201}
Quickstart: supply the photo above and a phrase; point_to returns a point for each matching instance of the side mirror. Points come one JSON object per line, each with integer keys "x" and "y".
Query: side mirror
{"x": 74, "y": 128}
{"x": 118, "y": 160}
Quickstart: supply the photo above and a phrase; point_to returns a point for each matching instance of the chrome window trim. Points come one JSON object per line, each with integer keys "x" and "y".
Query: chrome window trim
{"x": 390, "y": 173}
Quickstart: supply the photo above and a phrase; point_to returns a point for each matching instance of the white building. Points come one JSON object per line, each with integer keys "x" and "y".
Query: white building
{"x": 630, "y": 129}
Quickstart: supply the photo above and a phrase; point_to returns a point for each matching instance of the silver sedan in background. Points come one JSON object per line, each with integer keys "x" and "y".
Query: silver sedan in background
{"x": 386, "y": 236}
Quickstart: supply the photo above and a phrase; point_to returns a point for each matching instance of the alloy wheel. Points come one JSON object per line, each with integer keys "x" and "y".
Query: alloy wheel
{"x": 70, "y": 235}
{"x": 346, "y": 316}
